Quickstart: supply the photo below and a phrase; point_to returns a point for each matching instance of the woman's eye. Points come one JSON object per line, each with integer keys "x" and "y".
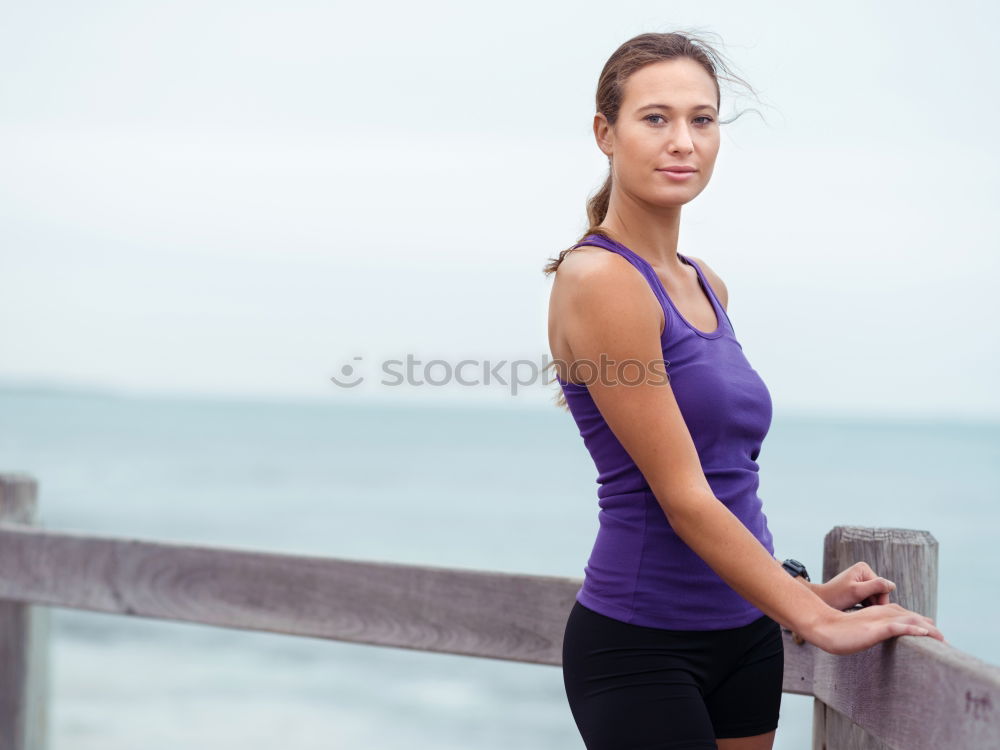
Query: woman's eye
{"x": 706, "y": 120}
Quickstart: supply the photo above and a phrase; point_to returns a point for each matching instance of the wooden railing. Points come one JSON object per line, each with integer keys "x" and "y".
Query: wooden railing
{"x": 909, "y": 693}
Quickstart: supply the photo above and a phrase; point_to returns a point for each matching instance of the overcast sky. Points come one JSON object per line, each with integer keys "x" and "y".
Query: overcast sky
{"x": 241, "y": 198}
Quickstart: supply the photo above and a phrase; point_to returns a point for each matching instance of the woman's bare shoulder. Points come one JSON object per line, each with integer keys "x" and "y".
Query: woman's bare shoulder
{"x": 718, "y": 286}
{"x": 588, "y": 259}
{"x": 587, "y": 273}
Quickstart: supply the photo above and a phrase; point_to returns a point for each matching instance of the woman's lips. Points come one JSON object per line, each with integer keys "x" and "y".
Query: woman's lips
{"x": 678, "y": 176}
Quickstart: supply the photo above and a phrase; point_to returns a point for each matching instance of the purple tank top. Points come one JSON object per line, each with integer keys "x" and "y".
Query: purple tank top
{"x": 640, "y": 571}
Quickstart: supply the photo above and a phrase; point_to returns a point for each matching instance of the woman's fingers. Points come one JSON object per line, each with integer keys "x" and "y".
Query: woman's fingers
{"x": 920, "y": 625}
{"x": 861, "y": 628}
{"x": 906, "y": 622}
{"x": 906, "y": 628}
{"x": 883, "y": 598}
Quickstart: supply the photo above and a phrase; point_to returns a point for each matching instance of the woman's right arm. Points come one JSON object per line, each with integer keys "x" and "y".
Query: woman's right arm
{"x": 611, "y": 315}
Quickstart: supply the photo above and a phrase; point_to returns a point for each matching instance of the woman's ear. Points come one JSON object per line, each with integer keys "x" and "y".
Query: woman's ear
{"x": 602, "y": 133}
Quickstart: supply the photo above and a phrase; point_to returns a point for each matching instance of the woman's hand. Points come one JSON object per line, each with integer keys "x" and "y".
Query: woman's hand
{"x": 857, "y": 584}
{"x": 856, "y": 630}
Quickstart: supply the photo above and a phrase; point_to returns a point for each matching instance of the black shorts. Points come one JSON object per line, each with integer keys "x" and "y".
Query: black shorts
{"x": 631, "y": 686}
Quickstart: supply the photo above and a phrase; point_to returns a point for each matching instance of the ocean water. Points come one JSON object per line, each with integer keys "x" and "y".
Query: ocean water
{"x": 493, "y": 488}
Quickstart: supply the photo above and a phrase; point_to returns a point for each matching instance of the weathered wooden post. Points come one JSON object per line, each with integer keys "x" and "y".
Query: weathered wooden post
{"x": 907, "y": 557}
{"x": 23, "y": 639}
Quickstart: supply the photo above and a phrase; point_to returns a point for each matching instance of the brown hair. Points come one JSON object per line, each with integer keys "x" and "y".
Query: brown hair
{"x": 637, "y": 52}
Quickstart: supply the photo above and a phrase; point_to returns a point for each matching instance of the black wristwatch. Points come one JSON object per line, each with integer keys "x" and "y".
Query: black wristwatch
{"x": 795, "y": 568}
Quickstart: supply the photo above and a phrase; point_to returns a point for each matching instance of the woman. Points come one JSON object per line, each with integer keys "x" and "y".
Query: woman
{"x": 674, "y": 640}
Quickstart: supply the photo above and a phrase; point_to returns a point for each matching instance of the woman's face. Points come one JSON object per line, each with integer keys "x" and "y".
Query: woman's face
{"x": 668, "y": 119}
